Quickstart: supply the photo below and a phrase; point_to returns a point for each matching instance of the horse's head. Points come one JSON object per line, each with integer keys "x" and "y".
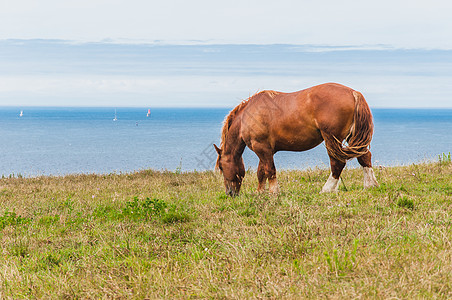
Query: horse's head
{"x": 233, "y": 171}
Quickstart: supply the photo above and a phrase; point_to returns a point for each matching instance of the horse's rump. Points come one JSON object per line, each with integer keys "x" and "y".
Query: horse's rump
{"x": 358, "y": 140}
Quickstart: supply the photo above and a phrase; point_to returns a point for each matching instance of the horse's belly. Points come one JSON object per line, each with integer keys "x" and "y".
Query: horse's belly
{"x": 299, "y": 142}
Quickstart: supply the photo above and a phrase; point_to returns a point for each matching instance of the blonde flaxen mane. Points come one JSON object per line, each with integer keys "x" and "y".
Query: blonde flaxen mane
{"x": 230, "y": 117}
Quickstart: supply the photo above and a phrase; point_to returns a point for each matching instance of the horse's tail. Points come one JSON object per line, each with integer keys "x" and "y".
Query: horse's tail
{"x": 358, "y": 140}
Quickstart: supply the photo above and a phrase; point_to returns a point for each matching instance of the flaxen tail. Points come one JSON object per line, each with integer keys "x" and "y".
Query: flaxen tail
{"x": 358, "y": 140}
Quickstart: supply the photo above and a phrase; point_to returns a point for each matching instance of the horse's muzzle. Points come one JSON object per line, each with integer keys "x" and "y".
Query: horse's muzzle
{"x": 231, "y": 193}
{"x": 232, "y": 189}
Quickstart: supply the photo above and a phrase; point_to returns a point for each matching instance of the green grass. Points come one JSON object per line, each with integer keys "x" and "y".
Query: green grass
{"x": 176, "y": 235}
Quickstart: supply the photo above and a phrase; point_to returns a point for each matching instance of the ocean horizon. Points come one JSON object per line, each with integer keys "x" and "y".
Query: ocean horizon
{"x": 85, "y": 140}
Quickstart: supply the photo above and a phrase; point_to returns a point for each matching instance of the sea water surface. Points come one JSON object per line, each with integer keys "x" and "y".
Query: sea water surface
{"x": 60, "y": 141}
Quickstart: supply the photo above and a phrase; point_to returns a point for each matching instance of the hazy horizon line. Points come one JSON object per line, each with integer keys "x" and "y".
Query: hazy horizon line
{"x": 308, "y": 47}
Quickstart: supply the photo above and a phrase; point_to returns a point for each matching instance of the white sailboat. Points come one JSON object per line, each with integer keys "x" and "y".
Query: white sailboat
{"x": 21, "y": 113}
{"x": 116, "y": 118}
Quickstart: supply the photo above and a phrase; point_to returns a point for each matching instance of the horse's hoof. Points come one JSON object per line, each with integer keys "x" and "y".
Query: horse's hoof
{"x": 324, "y": 191}
{"x": 331, "y": 186}
{"x": 274, "y": 191}
{"x": 371, "y": 185}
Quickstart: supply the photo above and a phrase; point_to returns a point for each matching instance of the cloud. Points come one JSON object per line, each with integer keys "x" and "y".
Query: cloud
{"x": 47, "y": 73}
{"x": 398, "y": 23}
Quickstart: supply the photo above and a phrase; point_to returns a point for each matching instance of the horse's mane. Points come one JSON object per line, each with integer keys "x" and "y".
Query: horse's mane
{"x": 233, "y": 113}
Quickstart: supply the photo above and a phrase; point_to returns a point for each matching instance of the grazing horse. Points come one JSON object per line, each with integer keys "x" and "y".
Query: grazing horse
{"x": 271, "y": 121}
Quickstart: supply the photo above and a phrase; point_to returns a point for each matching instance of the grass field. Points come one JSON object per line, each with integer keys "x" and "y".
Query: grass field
{"x": 169, "y": 235}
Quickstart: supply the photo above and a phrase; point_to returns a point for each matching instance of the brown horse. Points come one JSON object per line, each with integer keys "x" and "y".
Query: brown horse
{"x": 270, "y": 121}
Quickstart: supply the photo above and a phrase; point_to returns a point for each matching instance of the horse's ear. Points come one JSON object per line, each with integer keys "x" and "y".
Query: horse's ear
{"x": 218, "y": 149}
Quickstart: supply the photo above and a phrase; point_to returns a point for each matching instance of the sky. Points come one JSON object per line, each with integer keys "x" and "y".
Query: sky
{"x": 414, "y": 23}
{"x": 106, "y": 53}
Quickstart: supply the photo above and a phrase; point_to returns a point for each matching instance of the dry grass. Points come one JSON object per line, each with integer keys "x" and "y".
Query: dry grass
{"x": 166, "y": 235}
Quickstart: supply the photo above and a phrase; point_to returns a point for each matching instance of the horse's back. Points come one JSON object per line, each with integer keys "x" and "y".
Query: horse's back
{"x": 328, "y": 104}
{"x": 294, "y": 121}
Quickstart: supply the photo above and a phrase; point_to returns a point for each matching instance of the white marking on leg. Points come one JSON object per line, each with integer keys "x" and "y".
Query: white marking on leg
{"x": 369, "y": 178}
{"x": 332, "y": 185}
{"x": 273, "y": 186}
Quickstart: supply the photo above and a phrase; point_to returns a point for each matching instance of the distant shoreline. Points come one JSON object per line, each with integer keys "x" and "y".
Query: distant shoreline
{"x": 249, "y": 170}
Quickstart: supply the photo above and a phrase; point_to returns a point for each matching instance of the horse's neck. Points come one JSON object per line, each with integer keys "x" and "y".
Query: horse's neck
{"x": 234, "y": 143}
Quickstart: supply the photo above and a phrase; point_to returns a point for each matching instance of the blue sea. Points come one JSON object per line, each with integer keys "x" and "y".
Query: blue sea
{"x": 60, "y": 141}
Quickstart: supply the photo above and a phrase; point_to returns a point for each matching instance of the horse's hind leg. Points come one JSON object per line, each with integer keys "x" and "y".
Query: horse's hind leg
{"x": 369, "y": 176}
{"x": 332, "y": 185}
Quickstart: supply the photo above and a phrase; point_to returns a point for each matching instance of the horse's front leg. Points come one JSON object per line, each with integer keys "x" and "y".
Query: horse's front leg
{"x": 273, "y": 185}
{"x": 261, "y": 177}
{"x": 272, "y": 182}
{"x": 267, "y": 170}
{"x": 270, "y": 173}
